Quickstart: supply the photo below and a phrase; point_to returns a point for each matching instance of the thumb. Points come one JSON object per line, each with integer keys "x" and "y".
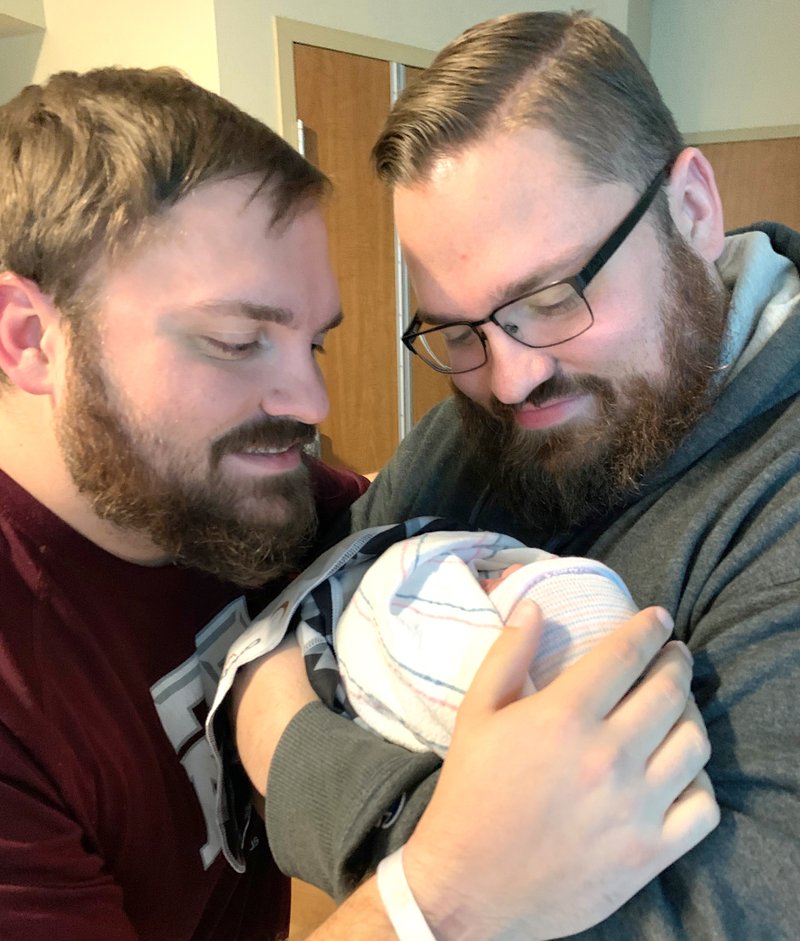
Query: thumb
{"x": 503, "y": 674}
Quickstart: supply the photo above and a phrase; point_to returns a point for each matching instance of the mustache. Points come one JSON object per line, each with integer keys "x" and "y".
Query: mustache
{"x": 277, "y": 433}
{"x": 558, "y": 386}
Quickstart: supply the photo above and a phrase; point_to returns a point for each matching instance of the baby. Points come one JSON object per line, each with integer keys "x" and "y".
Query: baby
{"x": 394, "y": 621}
{"x": 420, "y": 622}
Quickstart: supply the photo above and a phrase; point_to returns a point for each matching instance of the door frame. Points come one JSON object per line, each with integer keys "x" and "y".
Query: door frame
{"x": 286, "y": 32}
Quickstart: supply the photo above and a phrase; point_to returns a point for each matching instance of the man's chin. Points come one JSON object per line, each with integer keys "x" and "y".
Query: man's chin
{"x": 274, "y": 512}
{"x": 243, "y": 537}
{"x": 561, "y": 450}
{"x": 249, "y": 546}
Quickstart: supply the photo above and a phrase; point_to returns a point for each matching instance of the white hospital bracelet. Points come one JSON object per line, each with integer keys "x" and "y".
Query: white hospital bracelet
{"x": 398, "y": 900}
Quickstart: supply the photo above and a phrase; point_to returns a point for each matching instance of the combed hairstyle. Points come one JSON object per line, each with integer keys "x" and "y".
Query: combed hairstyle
{"x": 569, "y": 73}
{"x": 89, "y": 161}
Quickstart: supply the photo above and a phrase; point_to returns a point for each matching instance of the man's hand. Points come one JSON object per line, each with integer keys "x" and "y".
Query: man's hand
{"x": 553, "y": 810}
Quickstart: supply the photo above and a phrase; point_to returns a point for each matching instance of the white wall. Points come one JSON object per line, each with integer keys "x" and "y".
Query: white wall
{"x": 721, "y": 64}
{"x": 20, "y": 16}
{"x": 84, "y": 34}
{"x": 227, "y": 45}
{"x": 247, "y": 55}
{"x": 22, "y": 25}
{"x": 728, "y": 64}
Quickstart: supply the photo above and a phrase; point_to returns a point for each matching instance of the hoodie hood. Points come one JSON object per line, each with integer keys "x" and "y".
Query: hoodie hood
{"x": 761, "y": 266}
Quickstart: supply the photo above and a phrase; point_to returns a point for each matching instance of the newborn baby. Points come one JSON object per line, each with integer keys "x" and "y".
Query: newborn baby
{"x": 394, "y": 621}
{"x": 420, "y": 622}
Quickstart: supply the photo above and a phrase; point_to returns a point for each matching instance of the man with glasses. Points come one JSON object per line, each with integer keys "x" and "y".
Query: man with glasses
{"x": 643, "y": 412}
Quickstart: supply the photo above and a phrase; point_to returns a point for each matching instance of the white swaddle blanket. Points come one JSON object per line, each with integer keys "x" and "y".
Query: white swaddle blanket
{"x": 393, "y": 623}
{"x": 419, "y": 624}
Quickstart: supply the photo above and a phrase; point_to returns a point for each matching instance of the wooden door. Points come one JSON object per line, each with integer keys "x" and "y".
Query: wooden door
{"x": 758, "y": 179}
{"x": 343, "y": 100}
{"x": 310, "y": 907}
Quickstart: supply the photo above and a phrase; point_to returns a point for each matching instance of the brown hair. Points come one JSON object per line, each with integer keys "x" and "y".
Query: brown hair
{"x": 89, "y": 160}
{"x": 572, "y": 74}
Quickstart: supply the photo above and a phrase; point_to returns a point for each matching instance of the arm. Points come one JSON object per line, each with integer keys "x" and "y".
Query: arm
{"x": 737, "y": 603}
{"x": 361, "y": 917}
{"x": 334, "y": 783}
{"x": 720, "y": 548}
{"x": 597, "y": 793}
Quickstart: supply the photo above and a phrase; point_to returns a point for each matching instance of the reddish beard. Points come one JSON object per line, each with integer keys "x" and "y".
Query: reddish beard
{"x": 244, "y": 532}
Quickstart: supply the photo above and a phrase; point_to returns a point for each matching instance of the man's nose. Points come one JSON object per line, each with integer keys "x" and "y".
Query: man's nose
{"x": 296, "y": 389}
{"x": 515, "y": 370}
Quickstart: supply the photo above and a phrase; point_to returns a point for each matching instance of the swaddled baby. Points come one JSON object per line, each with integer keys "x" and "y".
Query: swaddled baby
{"x": 394, "y": 621}
{"x": 420, "y": 622}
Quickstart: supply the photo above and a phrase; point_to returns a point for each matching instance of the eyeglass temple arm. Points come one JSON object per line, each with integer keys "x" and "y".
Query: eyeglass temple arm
{"x": 625, "y": 227}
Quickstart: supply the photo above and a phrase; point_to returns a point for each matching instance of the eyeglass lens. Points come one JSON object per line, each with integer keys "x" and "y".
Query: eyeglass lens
{"x": 543, "y": 318}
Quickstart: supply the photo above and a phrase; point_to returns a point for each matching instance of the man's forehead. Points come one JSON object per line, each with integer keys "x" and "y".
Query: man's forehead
{"x": 212, "y": 207}
{"x": 220, "y": 212}
{"x": 500, "y": 155}
{"x": 509, "y": 214}
{"x": 216, "y": 253}
{"x": 221, "y": 199}
{"x": 495, "y": 187}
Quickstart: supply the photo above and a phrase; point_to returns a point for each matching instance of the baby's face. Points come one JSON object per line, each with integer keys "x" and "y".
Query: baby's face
{"x": 489, "y": 584}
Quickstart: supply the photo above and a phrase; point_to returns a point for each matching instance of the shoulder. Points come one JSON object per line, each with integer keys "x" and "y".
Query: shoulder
{"x": 335, "y": 489}
{"x": 435, "y": 440}
{"x": 428, "y": 475}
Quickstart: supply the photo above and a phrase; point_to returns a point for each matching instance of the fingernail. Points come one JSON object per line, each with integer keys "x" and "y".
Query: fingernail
{"x": 665, "y": 618}
{"x": 685, "y": 651}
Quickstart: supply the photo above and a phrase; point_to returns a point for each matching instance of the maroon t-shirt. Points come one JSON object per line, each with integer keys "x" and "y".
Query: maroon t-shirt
{"x": 106, "y": 779}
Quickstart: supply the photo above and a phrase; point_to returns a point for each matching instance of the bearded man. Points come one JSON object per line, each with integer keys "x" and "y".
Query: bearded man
{"x": 626, "y": 384}
{"x": 151, "y": 470}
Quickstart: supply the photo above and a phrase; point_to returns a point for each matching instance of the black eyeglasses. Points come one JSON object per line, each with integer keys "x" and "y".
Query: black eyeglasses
{"x": 545, "y": 317}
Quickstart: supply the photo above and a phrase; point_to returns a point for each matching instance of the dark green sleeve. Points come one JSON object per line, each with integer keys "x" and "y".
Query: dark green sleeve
{"x": 339, "y": 798}
{"x": 334, "y": 811}
{"x": 738, "y": 608}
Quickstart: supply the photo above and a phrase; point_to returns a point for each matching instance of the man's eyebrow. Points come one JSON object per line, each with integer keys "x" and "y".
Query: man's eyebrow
{"x": 266, "y": 313}
{"x": 262, "y": 313}
{"x": 336, "y": 321}
{"x": 565, "y": 266}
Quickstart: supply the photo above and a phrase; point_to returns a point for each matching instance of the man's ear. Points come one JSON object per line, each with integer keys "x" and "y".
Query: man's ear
{"x": 695, "y": 204}
{"x": 30, "y": 335}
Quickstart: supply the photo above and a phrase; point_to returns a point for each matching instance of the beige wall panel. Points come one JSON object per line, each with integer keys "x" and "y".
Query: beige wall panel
{"x": 758, "y": 179}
